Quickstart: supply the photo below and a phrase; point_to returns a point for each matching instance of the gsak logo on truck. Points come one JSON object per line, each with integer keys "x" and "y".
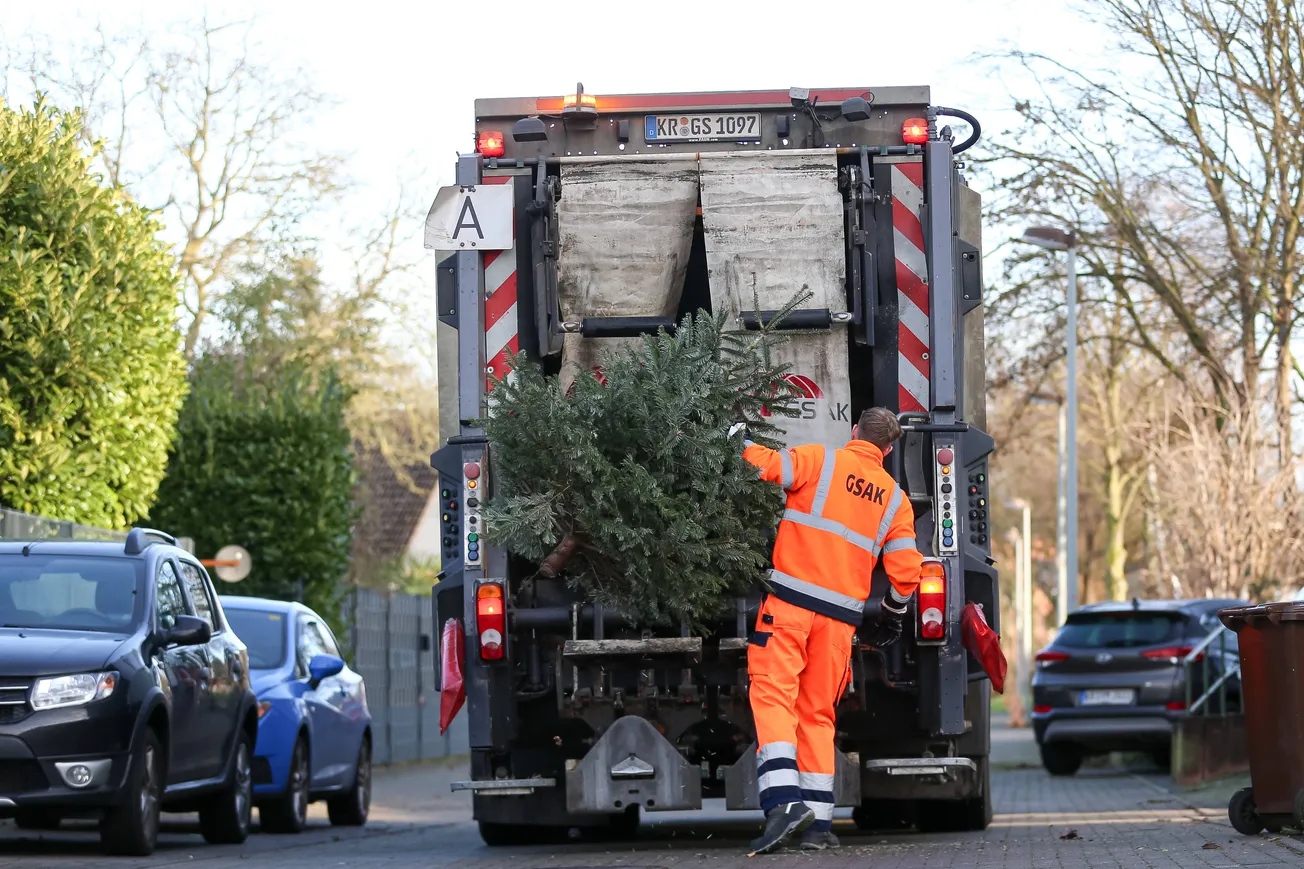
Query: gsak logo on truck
{"x": 810, "y": 399}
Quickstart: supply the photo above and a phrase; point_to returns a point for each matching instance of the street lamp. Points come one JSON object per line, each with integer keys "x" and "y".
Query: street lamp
{"x": 1023, "y": 599}
{"x": 1057, "y": 239}
{"x": 1061, "y": 526}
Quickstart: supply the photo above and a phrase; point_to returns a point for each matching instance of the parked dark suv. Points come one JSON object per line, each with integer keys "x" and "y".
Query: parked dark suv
{"x": 1114, "y": 679}
{"x": 122, "y": 691}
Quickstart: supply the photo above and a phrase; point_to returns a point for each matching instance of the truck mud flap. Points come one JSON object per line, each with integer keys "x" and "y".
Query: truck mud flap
{"x": 632, "y": 765}
{"x": 922, "y": 778}
{"x": 742, "y": 794}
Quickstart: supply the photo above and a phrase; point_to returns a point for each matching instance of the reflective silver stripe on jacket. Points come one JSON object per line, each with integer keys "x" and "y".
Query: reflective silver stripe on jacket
{"x": 851, "y": 605}
{"x": 899, "y": 544}
{"x": 827, "y": 462}
{"x": 893, "y": 505}
{"x": 785, "y": 461}
{"x": 833, "y": 527}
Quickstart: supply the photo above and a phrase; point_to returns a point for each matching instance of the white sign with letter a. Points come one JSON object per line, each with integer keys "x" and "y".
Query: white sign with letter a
{"x": 471, "y": 218}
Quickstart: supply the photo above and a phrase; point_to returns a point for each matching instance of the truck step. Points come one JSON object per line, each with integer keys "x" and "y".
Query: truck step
{"x": 653, "y": 647}
{"x": 921, "y": 765}
{"x": 504, "y": 787}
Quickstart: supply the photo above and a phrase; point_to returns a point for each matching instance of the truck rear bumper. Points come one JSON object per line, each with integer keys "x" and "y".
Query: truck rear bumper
{"x": 921, "y": 778}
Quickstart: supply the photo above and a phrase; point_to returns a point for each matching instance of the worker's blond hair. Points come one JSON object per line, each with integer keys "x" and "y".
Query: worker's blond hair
{"x": 879, "y": 426}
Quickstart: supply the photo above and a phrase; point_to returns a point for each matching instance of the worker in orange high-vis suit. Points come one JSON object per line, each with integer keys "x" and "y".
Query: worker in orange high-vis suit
{"x": 844, "y": 512}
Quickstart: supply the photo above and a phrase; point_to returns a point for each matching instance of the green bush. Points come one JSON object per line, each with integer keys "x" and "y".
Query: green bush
{"x": 267, "y": 465}
{"x": 91, "y": 371}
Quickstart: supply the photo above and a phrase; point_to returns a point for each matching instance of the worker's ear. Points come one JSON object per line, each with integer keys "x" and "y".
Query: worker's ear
{"x": 855, "y": 431}
{"x": 887, "y": 449}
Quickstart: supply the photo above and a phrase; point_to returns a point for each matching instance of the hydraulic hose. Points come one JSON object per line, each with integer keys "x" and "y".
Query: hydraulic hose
{"x": 967, "y": 118}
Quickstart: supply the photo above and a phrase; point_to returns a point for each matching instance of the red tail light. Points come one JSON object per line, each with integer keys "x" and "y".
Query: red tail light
{"x": 1041, "y": 710}
{"x": 1050, "y": 657}
{"x": 1174, "y": 654}
{"x": 914, "y": 131}
{"x": 1177, "y": 706}
{"x": 932, "y": 601}
{"x": 490, "y": 620}
{"x": 491, "y": 143}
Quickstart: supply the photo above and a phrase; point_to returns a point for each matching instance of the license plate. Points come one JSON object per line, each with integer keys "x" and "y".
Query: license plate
{"x": 712, "y": 127}
{"x": 1115, "y": 697}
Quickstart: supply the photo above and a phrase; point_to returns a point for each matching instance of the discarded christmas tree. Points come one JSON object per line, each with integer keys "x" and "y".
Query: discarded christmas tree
{"x": 628, "y": 484}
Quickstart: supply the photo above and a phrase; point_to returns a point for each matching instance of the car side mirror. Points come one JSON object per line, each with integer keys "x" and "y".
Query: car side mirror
{"x": 189, "y": 631}
{"x": 323, "y": 667}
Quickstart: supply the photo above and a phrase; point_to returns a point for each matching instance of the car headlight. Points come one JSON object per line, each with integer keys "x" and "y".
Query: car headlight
{"x": 82, "y": 688}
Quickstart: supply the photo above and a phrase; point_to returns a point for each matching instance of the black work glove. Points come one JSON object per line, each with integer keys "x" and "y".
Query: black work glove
{"x": 890, "y": 623}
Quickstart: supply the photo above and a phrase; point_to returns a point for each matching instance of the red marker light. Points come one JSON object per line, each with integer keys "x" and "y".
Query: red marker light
{"x": 914, "y": 131}
{"x": 491, "y": 143}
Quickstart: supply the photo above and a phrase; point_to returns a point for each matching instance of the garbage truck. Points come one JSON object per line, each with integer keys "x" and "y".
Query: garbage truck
{"x": 580, "y": 221}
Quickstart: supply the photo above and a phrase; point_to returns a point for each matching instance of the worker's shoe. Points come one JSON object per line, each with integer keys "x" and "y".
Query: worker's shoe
{"x": 818, "y": 840}
{"x": 782, "y": 822}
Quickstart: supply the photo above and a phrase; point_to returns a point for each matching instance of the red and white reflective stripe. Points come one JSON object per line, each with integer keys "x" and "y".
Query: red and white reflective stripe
{"x": 912, "y": 286}
{"x": 501, "y": 323}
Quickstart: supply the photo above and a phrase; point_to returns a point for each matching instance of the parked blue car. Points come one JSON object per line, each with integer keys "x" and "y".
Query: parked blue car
{"x": 314, "y": 730}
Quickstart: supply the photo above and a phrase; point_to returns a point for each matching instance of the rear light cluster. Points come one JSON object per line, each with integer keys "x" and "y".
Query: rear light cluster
{"x": 1173, "y": 654}
{"x": 1041, "y": 710}
{"x": 1044, "y": 658}
{"x": 932, "y": 601}
{"x": 914, "y": 131}
{"x": 490, "y": 620}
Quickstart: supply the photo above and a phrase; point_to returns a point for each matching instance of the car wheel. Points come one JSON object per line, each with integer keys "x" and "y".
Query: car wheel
{"x": 131, "y": 829}
{"x": 224, "y": 817}
{"x": 1244, "y": 814}
{"x": 350, "y": 809}
{"x": 31, "y": 819}
{"x": 288, "y": 812}
{"x": 1061, "y": 758}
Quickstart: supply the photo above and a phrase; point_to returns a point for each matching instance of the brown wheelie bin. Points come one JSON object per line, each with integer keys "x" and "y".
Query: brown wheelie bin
{"x": 1271, "y": 640}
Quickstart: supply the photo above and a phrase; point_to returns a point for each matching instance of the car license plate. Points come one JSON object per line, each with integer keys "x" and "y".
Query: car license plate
{"x": 713, "y": 127}
{"x": 1114, "y": 697}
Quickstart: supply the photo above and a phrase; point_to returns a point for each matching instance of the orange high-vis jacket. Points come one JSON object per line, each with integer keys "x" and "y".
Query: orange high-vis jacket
{"x": 844, "y": 511}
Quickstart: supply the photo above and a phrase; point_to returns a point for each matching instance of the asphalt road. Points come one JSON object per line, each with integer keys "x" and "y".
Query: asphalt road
{"x": 1103, "y": 817}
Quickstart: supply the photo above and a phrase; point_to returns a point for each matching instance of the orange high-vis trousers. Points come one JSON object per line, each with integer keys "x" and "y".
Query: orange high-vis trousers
{"x": 799, "y": 665}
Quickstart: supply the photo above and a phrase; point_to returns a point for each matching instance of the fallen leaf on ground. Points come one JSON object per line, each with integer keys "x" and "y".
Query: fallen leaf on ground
{"x": 1210, "y": 846}
{"x": 1071, "y": 834}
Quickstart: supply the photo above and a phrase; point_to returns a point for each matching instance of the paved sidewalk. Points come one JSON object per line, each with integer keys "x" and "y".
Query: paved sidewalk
{"x": 1109, "y": 818}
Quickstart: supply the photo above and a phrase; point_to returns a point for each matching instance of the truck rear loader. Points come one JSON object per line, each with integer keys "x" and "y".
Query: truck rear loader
{"x": 580, "y": 221}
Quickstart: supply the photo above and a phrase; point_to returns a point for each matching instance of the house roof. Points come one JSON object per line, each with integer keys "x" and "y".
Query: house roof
{"x": 390, "y": 508}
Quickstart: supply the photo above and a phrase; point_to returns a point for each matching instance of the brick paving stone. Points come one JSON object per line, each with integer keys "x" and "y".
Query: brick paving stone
{"x": 1123, "y": 820}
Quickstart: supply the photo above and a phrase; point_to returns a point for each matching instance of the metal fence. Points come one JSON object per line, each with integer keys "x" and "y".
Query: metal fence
{"x": 393, "y": 641}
